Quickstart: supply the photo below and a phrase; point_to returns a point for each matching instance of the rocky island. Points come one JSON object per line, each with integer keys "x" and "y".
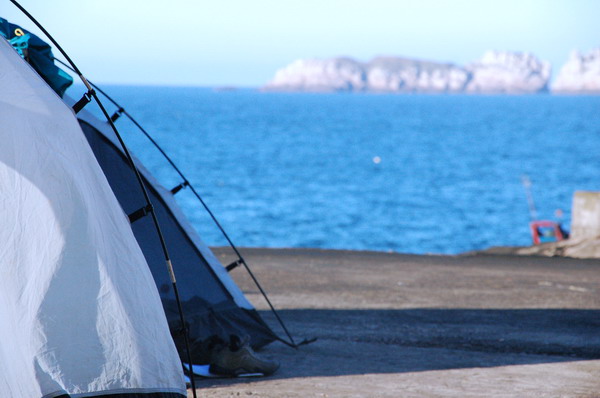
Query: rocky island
{"x": 495, "y": 72}
{"x": 506, "y": 72}
{"x": 581, "y": 74}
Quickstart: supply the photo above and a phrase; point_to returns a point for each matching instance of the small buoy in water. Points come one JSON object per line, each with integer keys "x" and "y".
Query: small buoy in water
{"x": 376, "y": 160}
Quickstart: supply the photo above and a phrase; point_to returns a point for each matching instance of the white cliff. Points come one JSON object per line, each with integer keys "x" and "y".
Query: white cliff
{"x": 581, "y": 74}
{"x": 496, "y": 72}
{"x": 508, "y": 72}
{"x": 336, "y": 74}
{"x": 405, "y": 75}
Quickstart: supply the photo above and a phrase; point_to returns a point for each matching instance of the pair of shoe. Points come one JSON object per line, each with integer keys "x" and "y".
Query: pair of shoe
{"x": 238, "y": 359}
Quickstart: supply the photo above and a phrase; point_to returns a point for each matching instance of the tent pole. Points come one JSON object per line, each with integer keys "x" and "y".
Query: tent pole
{"x": 92, "y": 93}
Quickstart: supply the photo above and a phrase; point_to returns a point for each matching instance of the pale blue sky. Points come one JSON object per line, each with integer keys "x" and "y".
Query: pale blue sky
{"x": 242, "y": 43}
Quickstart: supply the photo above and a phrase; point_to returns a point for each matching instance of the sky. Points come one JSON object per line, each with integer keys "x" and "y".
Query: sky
{"x": 242, "y": 43}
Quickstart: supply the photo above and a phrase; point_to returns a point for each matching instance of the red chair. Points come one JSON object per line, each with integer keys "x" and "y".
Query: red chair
{"x": 544, "y": 231}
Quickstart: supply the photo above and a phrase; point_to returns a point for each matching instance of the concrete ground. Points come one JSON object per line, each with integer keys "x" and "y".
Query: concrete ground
{"x": 394, "y": 325}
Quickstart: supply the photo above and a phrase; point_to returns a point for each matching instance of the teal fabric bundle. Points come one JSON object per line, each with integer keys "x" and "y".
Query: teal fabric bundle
{"x": 38, "y": 53}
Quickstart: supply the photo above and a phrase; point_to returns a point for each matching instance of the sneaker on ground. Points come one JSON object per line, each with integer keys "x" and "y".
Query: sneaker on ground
{"x": 238, "y": 358}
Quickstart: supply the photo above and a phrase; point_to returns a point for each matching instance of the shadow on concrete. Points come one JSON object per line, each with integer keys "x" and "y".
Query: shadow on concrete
{"x": 355, "y": 342}
{"x": 553, "y": 332}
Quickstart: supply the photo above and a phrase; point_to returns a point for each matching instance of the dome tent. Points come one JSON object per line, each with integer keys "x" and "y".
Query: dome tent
{"x": 213, "y": 305}
{"x": 79, "y": 311}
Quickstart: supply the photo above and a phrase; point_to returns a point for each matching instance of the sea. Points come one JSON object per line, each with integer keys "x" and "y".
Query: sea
{"x": 412, "y": 173}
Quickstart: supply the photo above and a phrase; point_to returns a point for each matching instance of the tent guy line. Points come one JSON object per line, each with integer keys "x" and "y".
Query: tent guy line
{"x": 185, "y": 184}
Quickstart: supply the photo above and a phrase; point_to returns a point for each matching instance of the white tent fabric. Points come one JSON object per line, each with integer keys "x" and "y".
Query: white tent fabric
{"x": 79, "y": 310}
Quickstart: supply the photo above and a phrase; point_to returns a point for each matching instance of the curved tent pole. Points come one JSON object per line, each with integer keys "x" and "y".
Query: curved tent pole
{"x": 91, "y": 94}
{"x": 186, "y": 183}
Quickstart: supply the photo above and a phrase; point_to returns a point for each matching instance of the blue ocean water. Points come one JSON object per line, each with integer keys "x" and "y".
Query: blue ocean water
{"x": 406, "y": 173}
